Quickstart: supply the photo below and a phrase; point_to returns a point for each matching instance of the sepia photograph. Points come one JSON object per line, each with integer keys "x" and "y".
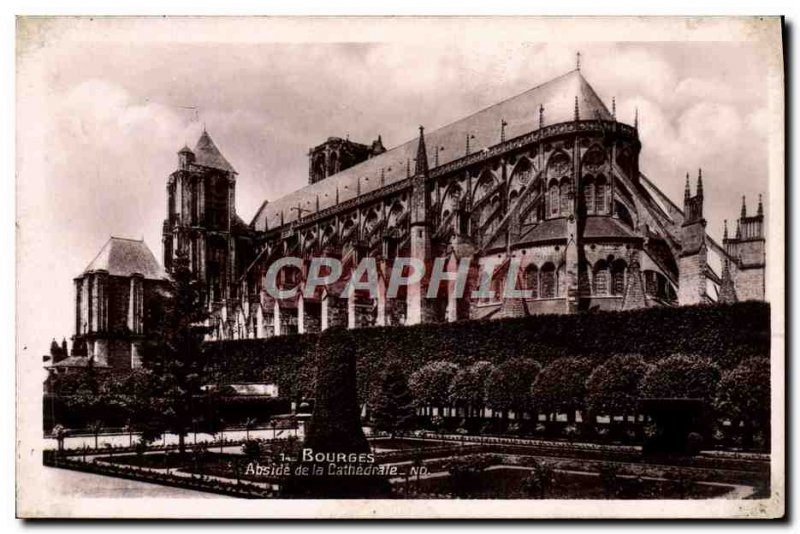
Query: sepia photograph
{"x": 400, "y": 267}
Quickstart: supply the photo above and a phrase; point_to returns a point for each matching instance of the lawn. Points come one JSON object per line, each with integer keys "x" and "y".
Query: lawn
{"x": 507, "y": 483}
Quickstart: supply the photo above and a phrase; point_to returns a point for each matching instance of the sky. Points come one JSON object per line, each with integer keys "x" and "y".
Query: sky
{"x": 111, "y": 115}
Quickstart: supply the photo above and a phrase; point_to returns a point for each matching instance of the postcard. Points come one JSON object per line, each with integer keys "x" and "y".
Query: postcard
{"x": 400, "y": 267}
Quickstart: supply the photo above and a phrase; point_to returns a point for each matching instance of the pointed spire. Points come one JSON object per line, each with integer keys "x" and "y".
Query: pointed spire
{"x": 687, "y": 192}
{"x": 700, "y": 182}
{"x": 541, "y": 116}
{"x": 636, "y": 118}
{"x": 317, "y": 203}
{"x": 760, "y": 206}
{"x": 358, "y": 186}
{"x": 503, "y": 125}
{"x": 578, "y": 61}
{"x": 421, "y": 166}
{"x": 282, "y": 218}
{"x": 577, "y": 111}
{"x": 744, "y": 208}
{"x": 614, "y": 107}
{"x": 337, "y": 193}
{"x": 383, "y": 175}
{"x": 725, "y": 232}
{"x": 408, "y": 168}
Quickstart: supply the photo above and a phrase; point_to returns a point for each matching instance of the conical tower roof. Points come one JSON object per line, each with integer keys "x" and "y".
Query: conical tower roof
{"x": 208, "y": 155}
{"x": 126, "y": 257}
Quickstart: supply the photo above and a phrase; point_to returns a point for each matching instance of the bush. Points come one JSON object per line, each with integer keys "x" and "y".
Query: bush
{"x": 465, "y": 471}
{"x": 561, "y": 387}
{"x": 508, "y": 386}
{"x": 609, "y": 479}
{"x": 430, "y": 384}
{"x": 251, "y": 449}
{"x": 613, "y": 388}
{"x": 540, "y": 481}
{"x": 682, "y": 377}
{"x": 725, "y": 333}
{"x": 743, "y": 397}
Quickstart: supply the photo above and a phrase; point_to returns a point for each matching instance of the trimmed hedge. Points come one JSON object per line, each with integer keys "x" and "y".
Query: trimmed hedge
{"x": 724, "y": 333}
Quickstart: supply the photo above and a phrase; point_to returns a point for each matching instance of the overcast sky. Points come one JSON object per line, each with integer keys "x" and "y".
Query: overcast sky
{"x": 113, "y": 116}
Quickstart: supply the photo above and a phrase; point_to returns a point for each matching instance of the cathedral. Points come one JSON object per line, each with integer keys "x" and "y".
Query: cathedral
{"x": 548, "y": 180}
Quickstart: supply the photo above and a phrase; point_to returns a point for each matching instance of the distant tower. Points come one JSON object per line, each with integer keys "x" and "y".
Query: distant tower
{"x": 200, "y": 216}
{"x": 337, "y": 154}
{"x": 693, "y": 260}
{"x": 747, "y": 253}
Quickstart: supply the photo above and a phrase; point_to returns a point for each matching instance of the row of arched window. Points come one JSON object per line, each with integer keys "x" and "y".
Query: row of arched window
{"x": 594, "y": 198}
{"x": 606, "y": 279}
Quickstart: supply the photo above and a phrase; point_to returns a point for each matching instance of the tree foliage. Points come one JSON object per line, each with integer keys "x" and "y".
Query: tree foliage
{"x": 468, "y": 387}
{"x": 508, "y": 386}
{"x": 394, "y": 406}
{"x": 430, "y": 384}
{"x": 173, "y": 357}
{"x": 682, "y": 377}
{"x": 743, "y": 393}
{"x": 561, "y": 386}
{"x": 614, "y": 387}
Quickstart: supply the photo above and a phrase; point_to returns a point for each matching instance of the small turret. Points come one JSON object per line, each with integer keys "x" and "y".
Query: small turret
{"x": 185, "y": 157}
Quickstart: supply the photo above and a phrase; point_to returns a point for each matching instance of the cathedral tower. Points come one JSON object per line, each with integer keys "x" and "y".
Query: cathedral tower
{"x": 747, "y": 251}
{"x": 200, "y": 217}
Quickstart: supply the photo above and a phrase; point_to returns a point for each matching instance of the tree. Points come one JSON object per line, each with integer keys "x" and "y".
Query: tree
{"x": 743, "y": 396}
{"x": 60, "y": 434}
{"x": 508, "y": 386}
{"x": 430, "y": 383}
{"x": 682, "y": 377}
{"x": 614, "y": 387}
{"x": 393, "y": 410}
{"x": 468, "y": 388}
{"x": 95, "y": 428}
{"x": 335, "y": 425}
{"x": 249, "y": 424}
{"x": 173, "y": 356}
{"x": 561, "y": 386}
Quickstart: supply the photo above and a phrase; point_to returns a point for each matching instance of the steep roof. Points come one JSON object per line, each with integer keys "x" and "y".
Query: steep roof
{"x": 125, "y": 257}
{"x": 520, "y": 114}
{"x": 207, "y": 154}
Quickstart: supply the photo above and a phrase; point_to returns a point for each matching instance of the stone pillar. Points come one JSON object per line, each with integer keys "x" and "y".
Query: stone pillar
{"x": 101, "y": 352}
{"x": 136, "y": 355}
{"x": 380, "y": 302}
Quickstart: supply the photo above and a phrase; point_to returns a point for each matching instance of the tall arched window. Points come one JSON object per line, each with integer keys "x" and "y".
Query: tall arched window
{"x": 600, "y": 282}
{"x": 600, "y": 188}
{"x": 588, "y": 194}
{"x": 548, "y": 281}
{"x": 497, "y": 287}
{"x": 650, "y": 283}
{"x": 561, "y": 277}
{"x": 566, "y": 196}
{"x": 554, "y": 201}
{"x": 618, "y": 277}
{"x": 532, "y": 280}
